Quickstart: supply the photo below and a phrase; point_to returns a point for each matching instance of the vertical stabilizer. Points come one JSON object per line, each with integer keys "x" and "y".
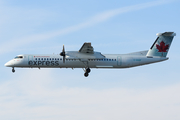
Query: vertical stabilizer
{"x": 162, "y": 44}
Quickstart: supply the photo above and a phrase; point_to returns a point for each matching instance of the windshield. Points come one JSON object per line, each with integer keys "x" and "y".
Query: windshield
{"x": 18, "y": 57}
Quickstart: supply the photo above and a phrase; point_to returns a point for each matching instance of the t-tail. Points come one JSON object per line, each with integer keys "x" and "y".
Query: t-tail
{"x": 161, "y": 45}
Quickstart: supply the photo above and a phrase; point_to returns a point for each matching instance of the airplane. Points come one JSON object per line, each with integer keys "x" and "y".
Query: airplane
{"x": 87, "y": 58}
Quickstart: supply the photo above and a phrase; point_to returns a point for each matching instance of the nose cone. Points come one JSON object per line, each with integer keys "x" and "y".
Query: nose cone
{"x": 9, "y": 64}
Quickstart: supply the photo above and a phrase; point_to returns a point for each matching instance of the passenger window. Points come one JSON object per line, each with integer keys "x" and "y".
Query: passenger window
{"x": 58, "y": 59}
{"x": 52, "y": 58}
{"x": 55, "y": 58}
{"x": 41, "y": 58}
{"x": 44, "y": 58}
{"x": 38, "y": 58}
{"x": 35, "y": 58}
{"x": 49, "y": 58}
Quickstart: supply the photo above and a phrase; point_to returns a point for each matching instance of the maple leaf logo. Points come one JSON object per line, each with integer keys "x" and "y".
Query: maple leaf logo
{"x": 162, "y": 47}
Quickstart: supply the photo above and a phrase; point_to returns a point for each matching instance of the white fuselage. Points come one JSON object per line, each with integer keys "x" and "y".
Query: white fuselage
{"x": 87, "y": 58}
{"x": 108, "y": 61}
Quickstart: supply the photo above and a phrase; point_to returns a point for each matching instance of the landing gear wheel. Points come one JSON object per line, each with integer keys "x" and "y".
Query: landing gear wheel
{"x": 13, "y": 70}
{"x": 86, "y": 74}
{"x": 88, "y": 70}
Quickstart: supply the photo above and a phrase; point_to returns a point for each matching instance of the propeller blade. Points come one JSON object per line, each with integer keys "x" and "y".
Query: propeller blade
{"x": 63, "y": 59}
{"x": 63, "y": 50}
{"x": 63, "y": 54}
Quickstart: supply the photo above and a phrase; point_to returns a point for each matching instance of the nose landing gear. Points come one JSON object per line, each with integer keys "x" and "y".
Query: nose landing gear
{"x": 13, "y": 70}
{"x": 88, "y": 70}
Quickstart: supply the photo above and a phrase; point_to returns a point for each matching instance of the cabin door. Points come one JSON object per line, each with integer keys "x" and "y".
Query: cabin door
{"x": 119, "y": 61}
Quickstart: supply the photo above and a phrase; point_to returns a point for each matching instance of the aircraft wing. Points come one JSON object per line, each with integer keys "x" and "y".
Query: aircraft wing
{"x": 87, "y": 48}
{"x": 85, "y": 52}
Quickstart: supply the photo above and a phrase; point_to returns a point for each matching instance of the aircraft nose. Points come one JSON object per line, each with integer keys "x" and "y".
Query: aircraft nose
{"x": 8, "y": 64}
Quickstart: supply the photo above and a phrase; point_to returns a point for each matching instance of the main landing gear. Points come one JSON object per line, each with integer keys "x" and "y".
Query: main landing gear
{"x": 87, "y": 71}
{"x": 13, "y": 70}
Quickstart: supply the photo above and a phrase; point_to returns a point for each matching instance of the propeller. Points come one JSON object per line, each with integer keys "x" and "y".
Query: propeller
{"x": 63, "y": 54}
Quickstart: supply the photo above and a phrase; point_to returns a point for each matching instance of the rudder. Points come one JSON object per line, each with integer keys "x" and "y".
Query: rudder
{"x": 162, "y": 44}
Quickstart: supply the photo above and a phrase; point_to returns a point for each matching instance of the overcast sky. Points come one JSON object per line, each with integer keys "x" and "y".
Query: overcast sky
{"x": 42, "y": 27}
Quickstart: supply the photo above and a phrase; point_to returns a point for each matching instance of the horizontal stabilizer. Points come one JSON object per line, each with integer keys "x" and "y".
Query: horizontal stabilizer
{"x": 141, "y": 53}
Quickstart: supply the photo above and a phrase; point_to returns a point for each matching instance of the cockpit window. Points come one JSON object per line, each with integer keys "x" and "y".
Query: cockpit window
{"x": 18, "y": 57}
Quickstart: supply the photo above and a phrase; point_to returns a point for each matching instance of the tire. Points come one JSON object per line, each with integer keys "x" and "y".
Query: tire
{"x": 88, "y": 70}
{"x": 86, "y": 74}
